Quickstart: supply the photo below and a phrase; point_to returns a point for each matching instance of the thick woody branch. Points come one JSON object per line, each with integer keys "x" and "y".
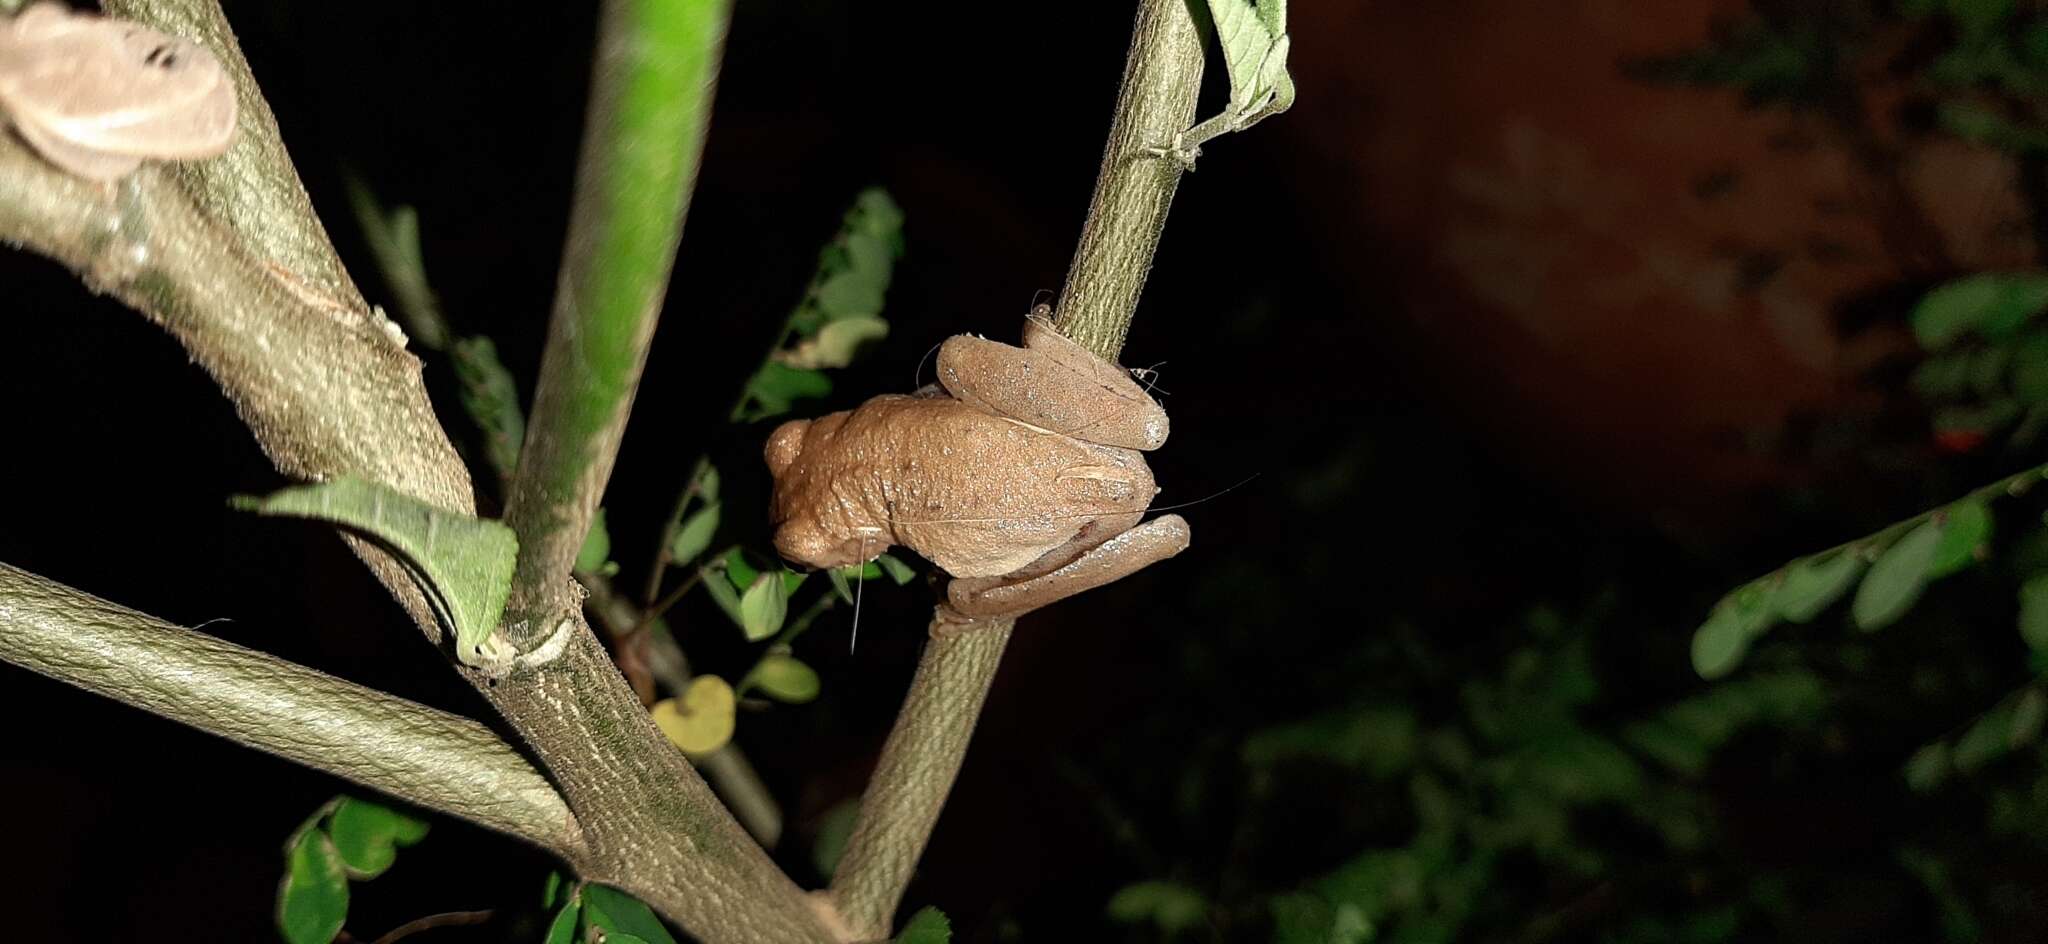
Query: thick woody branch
{"x": 253, "y": 190}
{"x": 330, "y": 392}
{"x": 1133, "y": 192}
{"x": 436, "y": 760}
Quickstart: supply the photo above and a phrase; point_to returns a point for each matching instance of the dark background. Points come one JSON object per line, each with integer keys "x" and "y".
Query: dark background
{"x": 1428, "y": 475}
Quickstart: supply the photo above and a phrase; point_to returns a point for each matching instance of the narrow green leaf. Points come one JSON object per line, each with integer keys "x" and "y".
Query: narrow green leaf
{"x": 695, "y": 534}
{"x": 1990, "y": 304}
{"x": 597, "y": 546}
{"x": 368, "y": 835}
{"x": 2027, "y": 715}
{"x": 312, "y": 902}
{"x": 550, "y": 888}
{"x": 491, "y": 398}
{"x": 786, "y": 679}
{"x": 1928, "y": 767}
{"x": 839, "y": 582}
{"x": 851, "y": 294}
{"x": 619, "y": 913}
{"x": 2034, "y": 612}
{"x": 1966, "y": 526}
{"x": 896, "y": 569}
{"x": 562, "y": 930}
{"x": 1989, "y": 738}
{"x": 1743, "y": 615}
{"x": 466, "y": 563}
{"x": 725, "y": 596}
{"x": 1170, "y": 906}
{"x": 763, "y": 607}
{"x": 1897, "y": 578}
{"x": 1813, "y": 584}
{"x": 927, "y": 926}
{"x": 792, "y": 579}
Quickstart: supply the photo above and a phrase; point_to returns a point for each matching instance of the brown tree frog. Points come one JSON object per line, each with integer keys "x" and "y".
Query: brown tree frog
{"x": 1021, "y": 474}
{"x": 98, "y": 96}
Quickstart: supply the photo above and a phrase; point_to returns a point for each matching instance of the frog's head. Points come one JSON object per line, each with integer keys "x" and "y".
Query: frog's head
{"x": 784, "y": 445}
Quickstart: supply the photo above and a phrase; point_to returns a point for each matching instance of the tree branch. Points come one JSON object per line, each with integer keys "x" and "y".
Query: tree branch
{"x": 253, "y": 190}
{"x": 436, "y": 760}
{"x": 649, "y": 103}
{"x": 329, "y": 392}
{"x": 1133, "y": 192}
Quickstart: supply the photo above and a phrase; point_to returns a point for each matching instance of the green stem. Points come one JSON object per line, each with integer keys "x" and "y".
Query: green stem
{"x": 650, "y": 101}
{"x": 1132, "y": 194}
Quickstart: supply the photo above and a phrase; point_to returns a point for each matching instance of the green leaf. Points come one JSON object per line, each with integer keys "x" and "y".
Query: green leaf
{"x": 465, "y": 563}
{"x": 2034, "y": 612}
{"x": 786, "y": 678}
{"x": 777, "y": 386}
{"x": 562, "y": 930}
{"x": 550, "y": 888}
{"x": 1253, "y": 34}
{"x": 1170, "y": 906}
{"x": 1720, "y": 643}
{"x": 1812, "y": 584}
{"x": 839, "y": 582}
{"x": 834, "y": 828}
{"x": 2027, "y": 716}
{"x": 738, "y": 571}
{"x": 851, "y": 294}
{"x": 695, "y": 534}
{"x": 837, "y": 343}
{"x": 896, "y": 569}
{"x": 491, "y": 398}
{"x": 1989, "y": 738}
{"x": 312, "y": 903}
{"x": 619, "y": 913}
{"x": 1991, "y": 304}
{"x": 1896, "y": 579}
{"x": 597, "y": 546}
{"x": 725, "y": 596}
{"x": 368, "y": 835}
{"x": 1928, "y": 767}
{"x": 927, "y": 926}
{"x": 1966, "y": 525}
{"x": 763, "y": 607}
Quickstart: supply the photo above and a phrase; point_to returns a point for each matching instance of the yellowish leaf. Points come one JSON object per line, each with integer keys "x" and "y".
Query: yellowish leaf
{"x": 700, "y": 721}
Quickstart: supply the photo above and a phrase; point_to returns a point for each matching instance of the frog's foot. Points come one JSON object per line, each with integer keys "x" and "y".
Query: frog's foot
{"x": 1095, "y": 557}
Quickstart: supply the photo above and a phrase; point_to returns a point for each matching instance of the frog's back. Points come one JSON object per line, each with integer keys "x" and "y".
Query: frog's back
{"x": 977, "y": 494}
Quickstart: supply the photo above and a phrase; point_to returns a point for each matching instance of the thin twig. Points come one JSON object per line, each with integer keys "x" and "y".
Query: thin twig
{"x": 1133, "y": 192}
{"x": 448, "y": 919}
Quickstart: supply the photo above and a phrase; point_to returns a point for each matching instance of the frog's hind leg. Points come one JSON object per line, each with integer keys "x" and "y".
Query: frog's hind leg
{"x": 1108, "y": 550}
{"x": 1054, "y": 384}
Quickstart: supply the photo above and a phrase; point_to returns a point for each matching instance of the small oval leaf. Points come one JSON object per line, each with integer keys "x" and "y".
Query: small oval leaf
{"x": 1813, "y": 584}
{"x": 896, "y": 569}
{"x": 1965, "y": 526}
{"x": 597, "y": 546}
{"x": 1897, "y": 578}
{"x": 763, "y": 607}
{"x": 702, "y": 720}
{"x": 368, "y": 835}
{"x": 694, "y": 535}
{"x": 786, "y": 679}
{"x": 312, "y": 903}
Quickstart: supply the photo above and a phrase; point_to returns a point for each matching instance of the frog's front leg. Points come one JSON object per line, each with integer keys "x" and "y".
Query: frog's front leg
{"x": 1052, "y": 383}
{"x": 1108, "y": 550}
